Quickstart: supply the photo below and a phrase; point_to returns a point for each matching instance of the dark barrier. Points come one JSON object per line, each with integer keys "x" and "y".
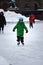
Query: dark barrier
{"x": 38, "y": 13}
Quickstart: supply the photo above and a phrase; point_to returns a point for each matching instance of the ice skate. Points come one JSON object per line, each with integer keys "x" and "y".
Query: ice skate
{"x": 22, "y": 43}
{"x": 18, "y": 43}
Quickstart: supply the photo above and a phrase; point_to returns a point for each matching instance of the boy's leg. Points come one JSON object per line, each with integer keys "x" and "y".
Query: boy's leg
{"x": 22, "y": 40}
{"x": 32, "y": 25}
{"x": 18, "y": 39}
{"x": 33, "y": 21}
{"x": 2, "y": 27}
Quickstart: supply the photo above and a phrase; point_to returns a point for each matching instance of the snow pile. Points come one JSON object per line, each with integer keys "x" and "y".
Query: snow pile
{"x": 3, "y": 61}
{"x": 1, "y": 10}
{"x": 14, "y": 17}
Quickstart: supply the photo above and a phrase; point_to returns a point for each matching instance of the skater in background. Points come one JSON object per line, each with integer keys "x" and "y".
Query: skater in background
{"x": 2, "y": 21}
{"x": 20, "y": 26}
{"x": 33, "y": 17}
{"x": 31, "y": 20}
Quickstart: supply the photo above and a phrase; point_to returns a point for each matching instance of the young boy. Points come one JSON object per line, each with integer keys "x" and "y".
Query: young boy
{"x": 33, "y": 17}
{"x": 20, "y": 26}
{"x": 32, "y": 20}
{"x": 2, "y": 21}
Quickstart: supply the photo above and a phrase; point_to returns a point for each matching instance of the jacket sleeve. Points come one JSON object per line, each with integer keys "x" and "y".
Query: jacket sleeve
{"x": 25, "y": 27}
{"x": 4, "y": 20}
{"x": 15, "y": 26}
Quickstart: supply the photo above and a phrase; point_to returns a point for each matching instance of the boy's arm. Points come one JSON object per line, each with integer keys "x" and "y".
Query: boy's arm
{"x": 15, "y": 27}
{"x": 4, "y": 20}
{"x": 25, "y": 28}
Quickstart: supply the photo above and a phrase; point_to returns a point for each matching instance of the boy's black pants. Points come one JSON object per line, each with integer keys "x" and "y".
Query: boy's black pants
{"x": 2, "y": 27}
{"x": 31, "y": 25}
{"x": 20, "y": 39}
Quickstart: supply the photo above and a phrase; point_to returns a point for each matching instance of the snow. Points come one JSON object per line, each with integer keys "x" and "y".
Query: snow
{"x": 14, "y": 17}
{"x": 1, "y": 10}
{"x": 40, "y": 9}
{"x": 3, "y": 61}
{"x": 29, "y": 54}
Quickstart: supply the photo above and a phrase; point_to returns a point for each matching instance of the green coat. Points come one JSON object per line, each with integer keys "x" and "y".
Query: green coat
{"x": 20, "y": 26}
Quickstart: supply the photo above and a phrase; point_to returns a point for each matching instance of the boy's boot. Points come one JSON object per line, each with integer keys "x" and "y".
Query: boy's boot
{"x": 22, "y": 43}
{"x": 18, "y": 43}
{"x": 32, "y": 26}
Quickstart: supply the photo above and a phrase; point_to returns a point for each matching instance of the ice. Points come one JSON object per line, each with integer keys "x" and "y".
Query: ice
{"x": 3, "y": 61}
{"x": 29, "y": 54}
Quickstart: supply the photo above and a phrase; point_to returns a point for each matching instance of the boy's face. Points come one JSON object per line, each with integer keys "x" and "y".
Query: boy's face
{"x": 21, "y": 21}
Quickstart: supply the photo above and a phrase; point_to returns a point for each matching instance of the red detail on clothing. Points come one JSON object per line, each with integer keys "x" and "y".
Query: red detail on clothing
{"x": 31, "y": 18}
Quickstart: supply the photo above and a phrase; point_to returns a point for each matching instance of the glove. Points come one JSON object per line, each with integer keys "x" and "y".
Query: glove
{"x": 4, "y": 23}
{"x": 13, "y": 30}
{"x": 26, "y": 31}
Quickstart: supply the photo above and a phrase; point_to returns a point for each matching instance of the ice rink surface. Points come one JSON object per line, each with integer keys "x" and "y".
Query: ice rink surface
{"x": 29, "y": 54}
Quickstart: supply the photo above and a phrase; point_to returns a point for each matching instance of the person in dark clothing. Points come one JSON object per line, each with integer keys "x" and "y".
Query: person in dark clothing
{"x": 2, "y": 21}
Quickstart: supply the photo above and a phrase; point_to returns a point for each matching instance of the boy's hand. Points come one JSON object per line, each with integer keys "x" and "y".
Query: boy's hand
{"x": 13, "y": 30}
{"x": 26, "y": 31}
{"x": 5, "y": 23}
